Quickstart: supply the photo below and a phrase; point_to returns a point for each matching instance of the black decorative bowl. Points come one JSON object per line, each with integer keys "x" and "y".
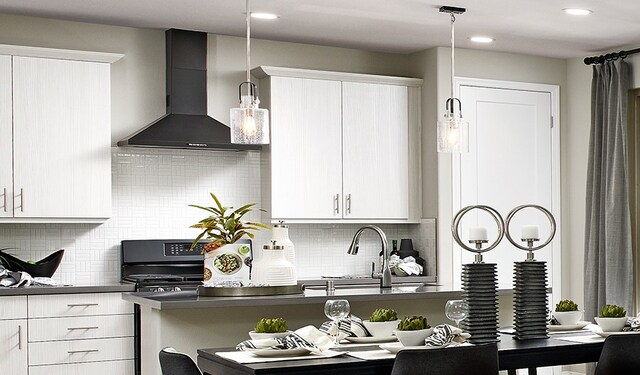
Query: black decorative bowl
{"x": 45, "y": 267}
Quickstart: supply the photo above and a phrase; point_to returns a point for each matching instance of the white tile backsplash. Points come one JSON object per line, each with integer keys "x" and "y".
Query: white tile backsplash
{"x": 152, "y": 190}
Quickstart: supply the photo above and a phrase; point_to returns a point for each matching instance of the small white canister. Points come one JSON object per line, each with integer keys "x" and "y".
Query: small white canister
{"x": 281, "y": 236}
{"x": 273, "y": 268}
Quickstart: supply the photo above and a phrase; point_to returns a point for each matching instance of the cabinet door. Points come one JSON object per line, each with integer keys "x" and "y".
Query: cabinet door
{"x": 375, "y": 151}
{"x": 6, "y": 138}
{"x": 13, "y": 347}
{"x": 62, "y": 131}
{"x": 306, "y": 148}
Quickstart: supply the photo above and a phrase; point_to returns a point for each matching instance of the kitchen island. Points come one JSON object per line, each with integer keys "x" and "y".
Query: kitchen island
{"x": 188, "y": 322}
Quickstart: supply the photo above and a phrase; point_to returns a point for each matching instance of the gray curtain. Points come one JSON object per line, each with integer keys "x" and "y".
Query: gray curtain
{"x": 608, "y": 264}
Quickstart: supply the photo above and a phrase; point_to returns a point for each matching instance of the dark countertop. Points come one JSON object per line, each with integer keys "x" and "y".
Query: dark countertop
{"x": 66, "y": 289}
{"x": 190, "y": 300}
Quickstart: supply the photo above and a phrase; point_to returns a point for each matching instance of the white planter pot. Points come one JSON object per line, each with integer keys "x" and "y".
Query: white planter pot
{"x": 567, "y": 318}
{"x": 413, "y": 338}
{"x": 381, "y": 329}
{"x": 611, "y": 324}
{"x": 259, "y": 336}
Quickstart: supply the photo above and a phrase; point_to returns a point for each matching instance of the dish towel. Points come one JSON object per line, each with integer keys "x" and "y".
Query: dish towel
{"x": 308, "y": 337}
{"x": 20, "y": 279}
{"x": 445, "y": 334}
{"x": 633, "y": 325}
{"x": 350, "y": 326}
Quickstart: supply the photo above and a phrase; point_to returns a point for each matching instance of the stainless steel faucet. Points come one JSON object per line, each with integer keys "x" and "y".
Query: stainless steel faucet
{"x": 385, "y": 281}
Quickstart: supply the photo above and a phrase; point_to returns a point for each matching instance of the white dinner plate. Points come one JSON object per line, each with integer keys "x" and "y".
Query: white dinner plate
{"x": 370, "y": 339}
{"x": 396, "y": 347}
{"x": 568, "y": 327}
{"x": 268, "y": 352}
{"x": 607, "y": 334}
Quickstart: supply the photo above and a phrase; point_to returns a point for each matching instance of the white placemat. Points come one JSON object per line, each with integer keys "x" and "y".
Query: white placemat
{"x": 581, "y": 339}
{"x": 246, "y": 357}
{"x": 372, "y": 354}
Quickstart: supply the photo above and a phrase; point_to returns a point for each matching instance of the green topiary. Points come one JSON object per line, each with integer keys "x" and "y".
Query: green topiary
{"x": 275, "y": 325}
{"x": 612, "y": 311}
{"x": 413, "y": 323}
{"x": 383, "y": 315}
{"x": 566, "y": 305}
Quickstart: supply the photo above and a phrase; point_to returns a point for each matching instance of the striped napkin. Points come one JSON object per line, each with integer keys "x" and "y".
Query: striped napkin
{"x": 350, "y": 326}
{"x": 445, "y": 334}
{"x": 308, "y": 337}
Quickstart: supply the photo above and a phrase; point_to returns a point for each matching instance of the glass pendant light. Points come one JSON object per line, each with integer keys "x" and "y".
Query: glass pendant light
{"x": 453, "y": 131}
{"x": 249, "y": 123}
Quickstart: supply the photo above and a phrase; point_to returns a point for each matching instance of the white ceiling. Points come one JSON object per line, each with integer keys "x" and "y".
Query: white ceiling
{"x": 536, "y": 27}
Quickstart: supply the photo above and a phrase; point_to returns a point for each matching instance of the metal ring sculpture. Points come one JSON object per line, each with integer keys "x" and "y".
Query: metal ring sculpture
{"x": 552, "y": 221}
{"x": 456, "y": 224}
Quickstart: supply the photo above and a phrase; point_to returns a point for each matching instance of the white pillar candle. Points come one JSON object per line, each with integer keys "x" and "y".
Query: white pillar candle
{"x": 530, "y": 232}
{"x": 478, "y": 234}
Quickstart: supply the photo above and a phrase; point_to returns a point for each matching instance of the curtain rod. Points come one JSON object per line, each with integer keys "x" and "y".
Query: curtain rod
{"x": 609, "y": 57}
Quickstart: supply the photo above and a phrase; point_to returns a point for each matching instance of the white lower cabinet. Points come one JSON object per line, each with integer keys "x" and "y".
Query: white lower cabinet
{"x": 88, "y": 333}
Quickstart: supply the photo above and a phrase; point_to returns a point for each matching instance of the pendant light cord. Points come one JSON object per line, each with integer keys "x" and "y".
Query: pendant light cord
{"x": 248, "y": 18}
{"x": 453, "y": 57}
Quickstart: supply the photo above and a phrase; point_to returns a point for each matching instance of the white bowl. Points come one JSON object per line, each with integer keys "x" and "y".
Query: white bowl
{"x": 611, "y": 324}
{"x": 259, "y": 336}
{"x": 567, "y": 318}
{"x": 381, "y": 329}
{"x": 413, "y": 338}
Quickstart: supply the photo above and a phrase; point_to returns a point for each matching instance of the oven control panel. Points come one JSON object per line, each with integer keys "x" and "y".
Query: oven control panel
{"x": 182, "y": 248}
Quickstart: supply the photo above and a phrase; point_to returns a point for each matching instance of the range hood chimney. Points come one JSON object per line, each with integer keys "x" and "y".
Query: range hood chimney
{"x": 186, "y": 124}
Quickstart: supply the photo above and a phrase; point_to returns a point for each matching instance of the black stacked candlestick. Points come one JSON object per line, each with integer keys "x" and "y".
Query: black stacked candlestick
{"x": 480, "y": 282}
{"x": 530, "y": 283}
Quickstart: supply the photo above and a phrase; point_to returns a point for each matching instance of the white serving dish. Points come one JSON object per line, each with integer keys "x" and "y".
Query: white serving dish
{"x": 259, "y": 336}
{"x": 381, "y": 329}
{"x": 413, "y": 338}
{"x": 611, "y": 324}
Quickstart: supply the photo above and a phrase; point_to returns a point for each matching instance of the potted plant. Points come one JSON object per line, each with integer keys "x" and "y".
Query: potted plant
{"x": 567, "y": 313}
{"x": 270, "y": 328}
{"x": 225, "y": 261}
{"x": 412, "y": 330}
{"x": 382, "y": 322}
{"x": 612, "y": 318}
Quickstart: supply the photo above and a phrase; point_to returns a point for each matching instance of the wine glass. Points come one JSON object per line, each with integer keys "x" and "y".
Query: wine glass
{"x": 456, "y": 310}
{"x": 336, "y": 309}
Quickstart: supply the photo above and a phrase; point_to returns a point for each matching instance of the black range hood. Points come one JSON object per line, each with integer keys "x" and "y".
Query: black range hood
{"x": 186, "y": 124}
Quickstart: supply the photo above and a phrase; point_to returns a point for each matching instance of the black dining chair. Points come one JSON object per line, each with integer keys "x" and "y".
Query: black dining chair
{"x": 461, "y": 360}
{"x": 175, "y": 363}
{"x": 620, "y": 355}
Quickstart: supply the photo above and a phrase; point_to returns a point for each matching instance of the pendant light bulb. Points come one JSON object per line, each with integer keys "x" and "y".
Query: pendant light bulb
{"x": 249, "y": 122}
{"x": 453, "y": 131}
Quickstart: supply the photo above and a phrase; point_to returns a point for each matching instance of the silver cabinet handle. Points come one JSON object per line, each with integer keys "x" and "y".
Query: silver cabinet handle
{"x": 81, "y": 328}
{"x": 21, "y": 200}
{"x": 82, "y": 351}
{"x": 81, "y": 304}
{"x": 19, "y": 337}
{"x": 349, "y": 203}
{"x": 336, "y": 204}
{"x": 4, "y": 195}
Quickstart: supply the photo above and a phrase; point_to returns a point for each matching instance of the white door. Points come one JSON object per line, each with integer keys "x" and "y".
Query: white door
{"x": 375, "y": 151}
{"x": 6, "y": 138}
{"x": 510, "y": 162}
{"x": 13, "y": 347}
{"x": 62, "y": 133}
{"x": 306, "y": 149}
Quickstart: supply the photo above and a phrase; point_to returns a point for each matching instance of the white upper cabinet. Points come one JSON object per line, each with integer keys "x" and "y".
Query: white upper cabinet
{"x": 55, "y": 137}
{"x": 344, "y": 147}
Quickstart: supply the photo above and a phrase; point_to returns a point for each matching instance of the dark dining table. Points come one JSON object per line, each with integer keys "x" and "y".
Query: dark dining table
{"x": 512, "y": 355}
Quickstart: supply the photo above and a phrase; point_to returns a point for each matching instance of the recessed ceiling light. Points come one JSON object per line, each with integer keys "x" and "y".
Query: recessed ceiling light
{"x": 264, "y": 16}
{"x": 577, "y": 11}
{"x": 481, "y": 39}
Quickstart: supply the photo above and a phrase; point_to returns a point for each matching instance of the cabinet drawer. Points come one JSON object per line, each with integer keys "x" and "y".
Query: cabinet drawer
{"x": 93, "y": 368}
{"x": 74, "y": 351}
{"x": 82, "y": 327}
{"x": 60, "y": 305}
{"x": 13, "y": 307}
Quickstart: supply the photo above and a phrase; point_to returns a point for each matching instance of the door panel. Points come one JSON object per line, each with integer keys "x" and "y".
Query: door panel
{"x": 306, "y": 148}
{"x": 6, "y": 139}
{"x": 376, "y": 151}
{"x": 13, "y": 347}
{"x": 509, "y": 164}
